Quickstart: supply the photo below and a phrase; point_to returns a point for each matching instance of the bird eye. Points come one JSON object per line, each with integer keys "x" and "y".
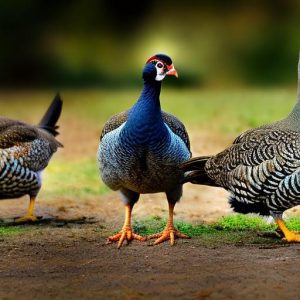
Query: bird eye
{"x": 160, "y": 65}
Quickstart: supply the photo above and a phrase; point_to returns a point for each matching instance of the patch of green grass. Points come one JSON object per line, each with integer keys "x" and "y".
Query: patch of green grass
{"x": 156, "y": 224}
{"x": 10, "y": 230}
{"x": 293, "y": 223}
{"x": 76, "y": 178}
{"x": 230, "y": 229}
{"x": 239, "y": 222}
{"x": 229, "y": 223}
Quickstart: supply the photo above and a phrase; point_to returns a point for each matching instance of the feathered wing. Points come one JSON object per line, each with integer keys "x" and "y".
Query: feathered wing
{"x": 114, "y": 122}
{"x": 14, "y": 132}
{"x": 174, "y": 124}
{"x": 262, "y": 164}
{"x": 5, "y": 123}
{"x": 177, "y": 127}
{"x": 274, "y": 151}
{"x": 17, "y": 134}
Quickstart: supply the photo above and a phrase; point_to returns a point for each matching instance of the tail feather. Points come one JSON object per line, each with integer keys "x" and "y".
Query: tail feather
{"x": 48, "y": 122}
{"x": 258, "y": 207}
{"x": 196, "y": 163}
{"x": 195, "y": 171}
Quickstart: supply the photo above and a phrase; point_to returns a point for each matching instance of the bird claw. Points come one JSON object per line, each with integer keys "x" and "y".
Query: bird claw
{"x": 169, "y": 233}
{"x": 28, "y": 219}
{"x": 292, "y": 236}
{"x": 125, "y": 234}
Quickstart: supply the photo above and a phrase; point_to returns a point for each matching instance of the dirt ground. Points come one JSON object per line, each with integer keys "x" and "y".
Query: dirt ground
{"x": 71, "y": 261}
{"x": 66, "y": 257}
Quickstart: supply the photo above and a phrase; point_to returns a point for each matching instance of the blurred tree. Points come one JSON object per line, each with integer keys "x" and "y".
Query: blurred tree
{"x": 103, "y": 43}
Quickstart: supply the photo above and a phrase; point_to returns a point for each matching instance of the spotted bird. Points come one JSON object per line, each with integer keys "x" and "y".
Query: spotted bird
{"x": 261, "y": 169}
{"x": 140, "y": 151}
{"x": 25, "y": 151}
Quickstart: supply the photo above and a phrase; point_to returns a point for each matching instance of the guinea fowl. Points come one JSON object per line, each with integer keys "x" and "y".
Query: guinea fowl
{"x": 141, "y": 149}
{"x": 25, "y": 152}
{"x": 261, "y": 169}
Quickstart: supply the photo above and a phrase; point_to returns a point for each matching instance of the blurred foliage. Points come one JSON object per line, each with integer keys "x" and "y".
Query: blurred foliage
{"x": 231, "y": 110}
{"x": 104, "y": 43}
{"x": 221, "y": 110}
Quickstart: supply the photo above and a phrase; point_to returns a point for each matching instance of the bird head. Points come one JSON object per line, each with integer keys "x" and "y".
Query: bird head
{"x": 158, "y": 67}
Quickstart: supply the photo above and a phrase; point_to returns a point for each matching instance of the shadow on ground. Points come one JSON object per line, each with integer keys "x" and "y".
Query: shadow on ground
{"x": 56, "y": 222}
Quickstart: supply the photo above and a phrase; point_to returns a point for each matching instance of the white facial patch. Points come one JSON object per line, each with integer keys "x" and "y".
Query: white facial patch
{"x": 160, "y": 71}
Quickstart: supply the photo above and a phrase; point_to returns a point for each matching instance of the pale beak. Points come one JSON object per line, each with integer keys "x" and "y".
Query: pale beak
{"x": 172, "y": 71}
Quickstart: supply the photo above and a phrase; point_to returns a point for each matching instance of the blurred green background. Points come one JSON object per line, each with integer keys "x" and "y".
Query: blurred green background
{"x": 105, "y": 43}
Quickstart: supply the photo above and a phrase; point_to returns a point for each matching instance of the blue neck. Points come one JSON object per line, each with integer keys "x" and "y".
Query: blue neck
{"x": 145, "y": 123}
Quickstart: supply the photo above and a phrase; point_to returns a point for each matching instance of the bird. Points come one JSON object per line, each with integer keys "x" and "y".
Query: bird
{"x": 25, "y": 151}
{"x": 261, "y": 169}
{"x": 140, "y": 150}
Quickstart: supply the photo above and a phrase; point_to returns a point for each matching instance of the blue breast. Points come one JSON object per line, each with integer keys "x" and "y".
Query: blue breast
{"x": 145, "y": 126}
{"x": 143, "y": 154}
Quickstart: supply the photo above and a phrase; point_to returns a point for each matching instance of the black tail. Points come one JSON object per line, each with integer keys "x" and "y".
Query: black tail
{"x": 52, "y": 115}
{"x": 258, "y": 207}
{"x": 195, "y": 171}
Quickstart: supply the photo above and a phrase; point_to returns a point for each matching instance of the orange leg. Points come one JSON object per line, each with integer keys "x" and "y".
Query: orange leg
{"x": 290, "y": 236}
{"x": 126, "y": 232}
{"x": 30, "y": 216}
{"x": 169, "y": 233}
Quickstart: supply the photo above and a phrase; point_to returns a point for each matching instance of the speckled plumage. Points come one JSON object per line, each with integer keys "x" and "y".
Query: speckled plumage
{"x": 141, "y": 148}
{"x": 25, "y": 151}
{"x": 148, "y": 167}
{"x": 142, "y": 169}
{"x": 261, "y": 169}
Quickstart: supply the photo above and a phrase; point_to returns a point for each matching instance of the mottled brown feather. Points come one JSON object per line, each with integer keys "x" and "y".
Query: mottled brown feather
{"x": 17, "y": 134}
{"x": 13, "y": 132}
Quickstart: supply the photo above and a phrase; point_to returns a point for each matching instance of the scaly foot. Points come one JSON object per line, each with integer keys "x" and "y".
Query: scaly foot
{"x": 292, "y": 236}
{"x": 289, "y": 235}
{"x": 30, "y": 216}
{"x": 125, "y": 234}
{"x": 169, "y": 233}
{"x": 27, "y": 219}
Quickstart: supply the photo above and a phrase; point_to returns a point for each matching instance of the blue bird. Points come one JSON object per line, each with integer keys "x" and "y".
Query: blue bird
{"x": 140, "y": 150}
